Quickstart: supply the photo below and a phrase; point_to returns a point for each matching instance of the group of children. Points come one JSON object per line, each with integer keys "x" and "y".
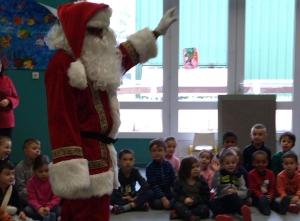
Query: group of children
{"x": 224, "y": 184}
{"x": 26, "y": 191}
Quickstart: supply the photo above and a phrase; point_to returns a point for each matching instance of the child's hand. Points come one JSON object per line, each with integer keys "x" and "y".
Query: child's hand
{"x": 270, "y": 197}
{"x": 41, "y": 211}
{"x": 231, "y": 191}
{"x": 127, "y": 198}
{"x": 166, "y": 203}
{"x": 22, "y": 216}
{"x": 188, "y": 201}
{"x": 294, "y": 199}
{"x": 132, "y": 199}
{"x": 215, "y": 165}
{"x": 47, "y": 209}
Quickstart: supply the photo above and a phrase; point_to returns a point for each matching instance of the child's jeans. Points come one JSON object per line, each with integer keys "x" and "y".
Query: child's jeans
{"x": 158, "y": 205}
{"x": 185, "y": 212}
{"x": 278, "y": 199}
{"x": 227, "y": 204}
{"x": 146, "y": 196}
{"x": 31, "y": 213}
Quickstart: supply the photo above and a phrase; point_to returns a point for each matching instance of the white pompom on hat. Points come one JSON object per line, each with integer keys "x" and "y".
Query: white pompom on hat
{"x": 74, "y": 18}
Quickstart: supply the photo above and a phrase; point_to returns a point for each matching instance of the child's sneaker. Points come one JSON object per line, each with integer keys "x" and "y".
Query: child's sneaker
{"x": 284, "y": 205}
{"x": 223, "y": 217}
{"x": 145, "y": 207}
{"x": 195, "y": 218}
{"x": 293, "y": 208}
{"x": 118, "y": 209}
{"x": 174, "y": 215}
{"x": 246, "y": 213}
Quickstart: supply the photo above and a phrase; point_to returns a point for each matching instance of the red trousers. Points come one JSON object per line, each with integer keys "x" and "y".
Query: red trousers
{"x": 92, "y": 209}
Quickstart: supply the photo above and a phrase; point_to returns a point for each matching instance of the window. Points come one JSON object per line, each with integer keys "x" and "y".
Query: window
{"x": 269, "y": 48}
{"x": 217, "y": 47}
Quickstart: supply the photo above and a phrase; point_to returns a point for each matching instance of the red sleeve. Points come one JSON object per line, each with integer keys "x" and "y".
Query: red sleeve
{"x": 272, "y": 186}
{"x": 298, "y": 181}
{"x": 32, "y": 196}
{"x": 253, "y": 184}
{"x": 55, "y": 201}
{"x": 62, "y": 113}
{"x": 130, "y": 56}
{"x": 13, "y": 98}
{"x": 281, "y": 185}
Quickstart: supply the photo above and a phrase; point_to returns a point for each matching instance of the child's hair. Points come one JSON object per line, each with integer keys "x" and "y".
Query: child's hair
{"x": 206, "y": 151}
{"x": 39, "y": 161}
{"x": 289, "y": 135}
{"x": 226, "y": 153}
{"x": 290, "y": 154}
{"x": 229, "y": 134}
{"x": 2, "y": 68}
{"x": 259, "y": 152}
{"x": 239, "y": 154}
{"x": 186, "y": 164}
{"x": 4, "y": 138}
{"x": 259, "y": 126}
{"x": 6, "y": 165}
{"x": 170, "y": 138}
{"x": 30, "y": 141}
{"x": 125, "y": 151}
{"x": 159, "y": 142}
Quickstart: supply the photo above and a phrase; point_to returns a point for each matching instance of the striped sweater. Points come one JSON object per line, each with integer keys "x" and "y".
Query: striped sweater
{"x": 161, "y": 177}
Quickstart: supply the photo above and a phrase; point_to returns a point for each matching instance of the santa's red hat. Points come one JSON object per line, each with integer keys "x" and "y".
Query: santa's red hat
{"x": 74, "y": 18}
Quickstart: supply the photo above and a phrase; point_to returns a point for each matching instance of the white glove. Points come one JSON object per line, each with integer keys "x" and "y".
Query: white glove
{"x": 166, "y": 21}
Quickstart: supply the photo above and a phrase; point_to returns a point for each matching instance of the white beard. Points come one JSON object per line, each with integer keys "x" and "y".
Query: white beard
{"x": 102, "y": 61}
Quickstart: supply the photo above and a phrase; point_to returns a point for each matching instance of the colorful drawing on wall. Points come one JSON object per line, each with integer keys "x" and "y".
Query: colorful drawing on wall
{"x": 190, "y": 58}
{"x": 23, "y": 26}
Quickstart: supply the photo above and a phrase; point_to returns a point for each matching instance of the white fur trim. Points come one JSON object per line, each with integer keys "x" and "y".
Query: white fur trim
{"x": 100, "y": 184}
{"x": 101, "y": 19}
{"x": 114, "y": 165}
{"x": 77, "y": 76}
{"x": 69, "y": 177}
{"x": 144, "y": 43}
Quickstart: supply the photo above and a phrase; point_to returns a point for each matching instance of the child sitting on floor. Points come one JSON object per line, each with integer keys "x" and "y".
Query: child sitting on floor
{"x": 288, "y": 185}
{"x": 191, "y": 192}
{"x": 160, "y": 176}
{"x": 171, "y": 147}
{"x": 262, "y": 183}
{"x": 230, "y": 189}
{"x": 41, "y": 199}
{"x": 126, "y": 197}
{"x": 205, "y": 158}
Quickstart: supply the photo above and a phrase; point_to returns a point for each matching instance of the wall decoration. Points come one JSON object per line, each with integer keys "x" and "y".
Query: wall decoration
{"x": 190, "y": 58}
{"x": 23, "y": 26}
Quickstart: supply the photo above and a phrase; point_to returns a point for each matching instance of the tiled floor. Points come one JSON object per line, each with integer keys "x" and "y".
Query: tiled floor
{"x": 155, "y": 215}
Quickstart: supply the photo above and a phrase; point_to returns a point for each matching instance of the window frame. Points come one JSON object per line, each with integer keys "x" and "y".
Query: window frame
{"x": 236, "y": 55}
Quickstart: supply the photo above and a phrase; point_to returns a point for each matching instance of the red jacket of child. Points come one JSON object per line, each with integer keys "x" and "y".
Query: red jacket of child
{"x": 8, "y": 91}
{"x": 262, "y": 185}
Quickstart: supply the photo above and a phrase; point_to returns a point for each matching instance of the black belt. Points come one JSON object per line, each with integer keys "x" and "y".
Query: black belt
{"x": 100, "y": 137}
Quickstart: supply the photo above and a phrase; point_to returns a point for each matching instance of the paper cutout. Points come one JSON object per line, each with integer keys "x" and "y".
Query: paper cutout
{"x": 190, "y": 58}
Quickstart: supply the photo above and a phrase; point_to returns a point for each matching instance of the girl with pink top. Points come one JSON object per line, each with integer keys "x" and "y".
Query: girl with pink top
{"x": 43, "y": 204}
{"x": 205, "y": 158}
{"x": 171, "y": 147}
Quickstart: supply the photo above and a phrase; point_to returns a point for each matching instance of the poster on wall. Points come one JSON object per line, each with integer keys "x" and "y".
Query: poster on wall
{"x": 190, "y": 58}
{"x": 23, "y": 27}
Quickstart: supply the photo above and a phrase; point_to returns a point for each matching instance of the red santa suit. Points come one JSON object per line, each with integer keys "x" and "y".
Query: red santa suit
{"x": 83, "y": 122}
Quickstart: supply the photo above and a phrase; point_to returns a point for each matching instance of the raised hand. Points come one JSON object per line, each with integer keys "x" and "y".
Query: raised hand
{"x": 215, "y": 165}
{"x": 166, "y": 21}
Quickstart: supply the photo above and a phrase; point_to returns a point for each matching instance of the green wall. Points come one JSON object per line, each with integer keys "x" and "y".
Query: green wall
{"x": 31, "y": 114}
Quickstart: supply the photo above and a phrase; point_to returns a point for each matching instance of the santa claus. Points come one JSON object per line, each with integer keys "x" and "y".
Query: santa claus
{"x": 83, "y": 110}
